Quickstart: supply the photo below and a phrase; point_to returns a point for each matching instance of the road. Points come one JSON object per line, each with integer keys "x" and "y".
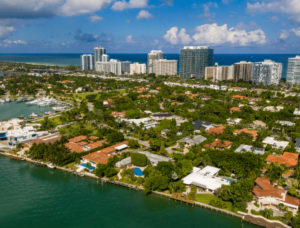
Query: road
{"x": 141, "y": 142}
{"x": 90, "y": 105}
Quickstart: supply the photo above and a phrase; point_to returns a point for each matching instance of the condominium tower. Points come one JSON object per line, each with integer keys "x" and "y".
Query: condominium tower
{"x": 98, "y": 52}
{"x": 137, "y": 68}
{"x": 87, "y": 62}
{"x": 243, "y": 71}
{"x": 113, "y": 66}
{"x": 152, "y": 56}
{"x": 193, "y": 61}
{"x": 267, "y": 72}
{"x": 165, "y": 67}
{"x": 105, "y": 58}
{"x": 293, "y": 72}
{"x": 219, "y": 73}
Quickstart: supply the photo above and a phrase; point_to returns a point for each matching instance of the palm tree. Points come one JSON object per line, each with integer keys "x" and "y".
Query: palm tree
{"x": 88, "y": 165}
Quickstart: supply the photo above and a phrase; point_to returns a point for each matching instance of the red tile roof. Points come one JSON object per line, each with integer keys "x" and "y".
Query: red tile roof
{"x": 239, "y": 97}
{"x": 74, "y": 147}
{"x": 234, "y": 109}
{"x": 95, "y": 145}
{"x": 245, "y": 130}
{"x": 288, "y": 159}
{"x": 216, "y": 130}
{"x": 46, "y": 139}
{"x": 93, "y": 137}
{"x": 218, "y": 143}
{"x": 78, "y": 139}
{"x": 98, "y": 157}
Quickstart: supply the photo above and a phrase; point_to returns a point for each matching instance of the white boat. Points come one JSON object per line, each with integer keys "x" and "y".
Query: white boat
{"x": 2, "y": 101}
{"x": 48, "y": 113}
{"x": 8, "y": 100}
{"x": 51, "y": 166}
{"x": 33, "y": 115}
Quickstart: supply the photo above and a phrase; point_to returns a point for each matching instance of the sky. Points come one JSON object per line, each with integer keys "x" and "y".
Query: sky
{"x": 138, "y": 26}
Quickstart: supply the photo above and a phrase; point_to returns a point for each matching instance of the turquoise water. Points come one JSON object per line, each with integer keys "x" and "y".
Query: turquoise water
{"x": 10, "y": 110}
{"x": 138, "y": 172}
{"x": 32, "y": 196}
{"x": 229, "y": 179}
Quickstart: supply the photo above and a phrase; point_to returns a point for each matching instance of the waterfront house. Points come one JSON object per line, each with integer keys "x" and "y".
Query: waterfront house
{"x": 51, "y": 138}
{"x": 24, "y": 135}
{"x": 279, "y": 145}
{"x": 12, "y": 124}
{"x": 74, "y": 148}
{"x": 268, "y": 196}
{"x": 205, "y": 179}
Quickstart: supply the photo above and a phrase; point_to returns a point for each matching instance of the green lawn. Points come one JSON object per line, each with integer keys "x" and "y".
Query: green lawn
{"x": 83, "y": 95}
{"x": 206, "y": 198}
{"x": 56, "y": 121}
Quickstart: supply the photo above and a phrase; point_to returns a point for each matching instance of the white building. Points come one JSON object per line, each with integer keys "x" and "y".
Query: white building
{"x": 152, "y": 56}
{"x": 285, "y": 123}
{"x": 137, "y": 68}
{"x": 165, "y": 67}
{"x": 205, "y": 179}
{"x": 22, "y": 135}
{"x": 105, "y": 58}
{"x": 267, "y": 72}
{"x": 78, "y": 90}
{"x": 98, "y": 53}
{"x": 12, "y": 124}
{"x": 113, "y": 66}
{"x": 279, "y": 145}
{"x": 273, "y": 108}
{"x": 234, "y": 121}
{"x": 219, "y": 73}
{"x": 293, "y": 72}
{"x": 87, "y": 62}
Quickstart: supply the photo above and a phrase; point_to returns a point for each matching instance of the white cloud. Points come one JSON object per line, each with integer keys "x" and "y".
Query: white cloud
{"x": 129, "y": 39}
{"x": 95, "y": 18}
{"x": 274, "y": 18}
{"x": 174, "y": 38}
{"x": 284, "y": 34}
{"x": 207, "y": 13}
{"x": 296, "y": 31}
{"x": 212, "y": 34}
{"x": 144, "y": 14}
{"x": 252, "y": 25}
{"x": 131, "y": 4}
{"x": 14, "y": 42}
{"x": 289, "y": 7}
{"x": 128, "y": 21}
{"x": 7, "y": 27}
{"x": 156, "y": 42}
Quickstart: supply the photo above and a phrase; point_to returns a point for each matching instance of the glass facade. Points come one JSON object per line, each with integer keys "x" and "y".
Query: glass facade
{"x": 293, "y": 72}
{"x": 194, "y": 60}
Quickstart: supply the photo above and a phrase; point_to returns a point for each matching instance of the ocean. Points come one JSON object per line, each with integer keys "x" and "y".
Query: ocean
{"x": 74, "y": 59}
{"x": 33, "y": 196}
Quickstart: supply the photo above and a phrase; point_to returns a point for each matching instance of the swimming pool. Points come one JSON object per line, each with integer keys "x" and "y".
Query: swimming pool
{"x": 84, "y": 165}
{"x": 229, "y": 179}
{"x": 138, "y": 172}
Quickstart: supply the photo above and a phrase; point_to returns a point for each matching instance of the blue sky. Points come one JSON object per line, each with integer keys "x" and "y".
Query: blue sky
{"x": 138, "y": 26}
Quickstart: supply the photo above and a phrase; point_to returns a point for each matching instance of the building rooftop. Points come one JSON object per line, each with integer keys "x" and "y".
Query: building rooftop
{"x": 154, "y": 158}
{"x": 74, "y": 147}
{"x": 46, "y": 139}
{"x": 216, "y": 130}
{"x": 245, "y": 130}
{"x": 247, "y": 148}
{"x": 193, "y": 140}
{"x": 288, "y": 159}
{"x": 219, "y": 143}
{"x": 98, "y": 157}
{"x": 78, "y": 139}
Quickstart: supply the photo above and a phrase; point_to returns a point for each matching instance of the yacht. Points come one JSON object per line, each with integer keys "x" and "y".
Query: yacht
{"x": 22, "y": 99}
{"x": 33, "y": 115}
{"x": 2, "y": 101}
{"x": 51, "y": 166}
{"x": 8, "y": 100}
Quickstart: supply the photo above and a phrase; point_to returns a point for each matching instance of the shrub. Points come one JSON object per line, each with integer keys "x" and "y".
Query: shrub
{"x": 256, "y": 204}
{"x": 140, "y": 180}
{"x": 139, "y": 159}
{"x": 133, "y": 178}
{"x": 193, "y": 188}
{"x": 133, "y": 144}
{"x": 192, "y": 196}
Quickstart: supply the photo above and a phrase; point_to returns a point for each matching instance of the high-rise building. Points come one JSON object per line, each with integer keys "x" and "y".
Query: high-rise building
{"x": 152, "y": 56}
{"x": 98, "y": 52}
{"x": 293, "y": 71}
{"x": 219, "y": 73}
{"x": 243, "y": 71}
{"x": 87, "y": 62}
{"x": 105, "y": 58}
{"x": 267, "y": 72}
{"x": 137, "y": 68}
{"x": 193, "y": 61}
{"x": 113, "y": 66}
{"x": 165, "y": 67}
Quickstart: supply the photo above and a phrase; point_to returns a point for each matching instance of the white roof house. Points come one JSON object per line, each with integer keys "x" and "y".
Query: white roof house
{"x": 287, "y": 123}
{"x": 234, "y": 121}
{"x": 205, "y": 178}
{"x": 23, "y": 135}
{"x": 297, "y": 111}
{"x": 246, "y": 148}
{"x": 280, "y": 145}
{"x": 273, "y": 108}
{"x": 123, "y": 162}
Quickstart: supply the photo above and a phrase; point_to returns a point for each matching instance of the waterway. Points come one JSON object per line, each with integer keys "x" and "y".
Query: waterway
{"x": 14, "y": 109}
{"x": 32, "y": 196}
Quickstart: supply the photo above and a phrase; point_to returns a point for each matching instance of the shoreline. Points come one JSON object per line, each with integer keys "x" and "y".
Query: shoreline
{"x": 243, "y": 216}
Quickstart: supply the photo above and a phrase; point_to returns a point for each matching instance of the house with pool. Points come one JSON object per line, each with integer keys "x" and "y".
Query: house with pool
{"x": 206, "y": 179}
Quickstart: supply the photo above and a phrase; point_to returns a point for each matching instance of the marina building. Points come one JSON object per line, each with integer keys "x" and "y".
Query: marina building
{"x": 165, "y": 67}
{"x": 152, "y": 56}
{"x": 267, "y": 72}
{"x": 193, "y": 61}
{"x": 243, "y": 71}
{"x": 87, "y": 62}
{"x": 137, "y": 68}
{"x": 293, "y": 72}
{"x": 205, "y": 179}
{"x": 219, "y": 73}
